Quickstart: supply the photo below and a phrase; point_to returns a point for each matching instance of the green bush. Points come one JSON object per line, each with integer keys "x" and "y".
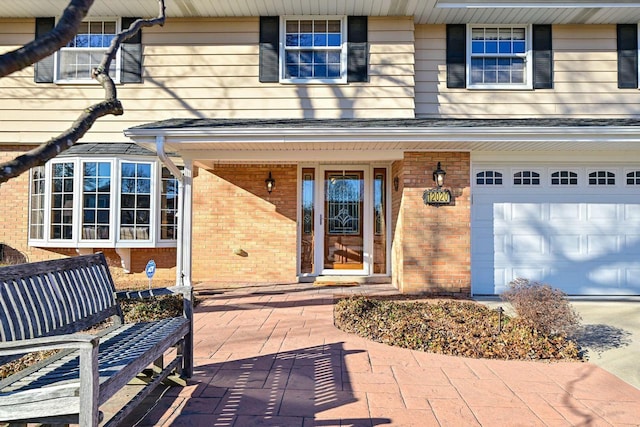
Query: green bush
{"x": 542, "y": 307}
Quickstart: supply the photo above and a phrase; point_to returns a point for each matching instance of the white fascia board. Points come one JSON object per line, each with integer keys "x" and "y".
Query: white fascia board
{"x": 343, "y": 135}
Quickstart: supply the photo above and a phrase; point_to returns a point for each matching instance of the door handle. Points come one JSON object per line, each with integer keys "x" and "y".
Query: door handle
{"x": 320, "y": 219}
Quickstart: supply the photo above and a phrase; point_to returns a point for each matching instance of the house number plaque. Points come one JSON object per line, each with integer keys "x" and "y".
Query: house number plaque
{"x": 436, "y": 197}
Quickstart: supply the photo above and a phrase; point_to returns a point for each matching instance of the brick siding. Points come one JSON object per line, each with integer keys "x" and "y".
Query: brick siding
{"x": 241, "y": 233}
{"x": 435, "y": 241}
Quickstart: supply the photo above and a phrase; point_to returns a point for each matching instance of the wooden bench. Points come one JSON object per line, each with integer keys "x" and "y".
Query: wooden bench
{"x": 51, "y": 305}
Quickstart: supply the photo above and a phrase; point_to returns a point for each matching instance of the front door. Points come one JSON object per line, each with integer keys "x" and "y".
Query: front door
{"x": 343, "y": 220}
{"x": 343, "y": 224}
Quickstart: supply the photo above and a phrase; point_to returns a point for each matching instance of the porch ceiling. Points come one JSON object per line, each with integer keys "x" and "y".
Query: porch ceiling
{"x": 318, "y": 140}
{"x": 424, "y": 11}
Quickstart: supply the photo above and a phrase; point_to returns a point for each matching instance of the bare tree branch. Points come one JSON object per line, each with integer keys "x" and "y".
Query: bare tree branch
{"x": 46, "y": 45}
{"x": 110, "y": 105}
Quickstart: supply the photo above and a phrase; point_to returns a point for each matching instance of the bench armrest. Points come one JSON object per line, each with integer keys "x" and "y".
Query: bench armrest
{"x": 69, "y": 341}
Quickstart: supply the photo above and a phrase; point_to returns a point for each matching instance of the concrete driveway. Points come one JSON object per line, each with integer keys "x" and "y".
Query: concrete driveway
{"x": 612, "y": 335}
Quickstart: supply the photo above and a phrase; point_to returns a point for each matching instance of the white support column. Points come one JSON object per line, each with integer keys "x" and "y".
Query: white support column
{"x": 186, "y": 221}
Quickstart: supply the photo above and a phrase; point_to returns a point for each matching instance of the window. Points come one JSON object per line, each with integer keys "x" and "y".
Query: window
{"x": 96, "y": 200}
{"x": 135, "y": 201}
{"x": 168, "y": 206}
{"x": 102, "y": 203}
{"x": 602, "y": 178}
{"x": 526, "y": 178}
{"x": 62, "y": 201}
{"x": 314, "y": 50}
{"x": 489, "y": 178}
{"x": 498, "y": 57}
{"x": 36, "y": 208}
{"x": 564, "y": 178}
{"x": 85, "y": 51}
{"x": 633, "y": 178}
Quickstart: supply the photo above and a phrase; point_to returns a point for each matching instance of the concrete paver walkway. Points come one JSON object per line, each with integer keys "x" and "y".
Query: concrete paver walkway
{"x": 270, "y": 356}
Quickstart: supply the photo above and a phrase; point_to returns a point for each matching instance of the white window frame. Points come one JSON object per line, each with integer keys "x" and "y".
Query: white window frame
{"x": 343, "y": 50}
{"x": 112, "y": 201}
{"x": 527, "y": 57}
{"x": 114, "y": 241}
{"x": 153, "y": 219}
{"x": 117, "y": 60}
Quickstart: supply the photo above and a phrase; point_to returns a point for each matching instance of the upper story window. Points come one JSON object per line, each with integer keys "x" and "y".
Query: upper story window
{"x": 498, "y": 57}
{"x": 564, "y": 178}
{"x": 602, "y": 178}
{"x": 526, "y": 178}
{"x": 73, "y": 63}
{"x": 102, "y": 203}
{"x": 84, "y": 52}
{"x": 314, "y": 50}
{"x": 489, "y": 178}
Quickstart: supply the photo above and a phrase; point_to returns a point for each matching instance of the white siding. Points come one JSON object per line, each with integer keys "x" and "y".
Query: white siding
{"x": 585, "y": 80}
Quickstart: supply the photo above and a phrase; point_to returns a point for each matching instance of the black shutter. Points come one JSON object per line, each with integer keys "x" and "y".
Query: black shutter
{"x": 628, "y": 56}
{"x": 44, "y": 68}
{"x": 456, "y": 56}
{"x": 269, "y": 49}
{"x": 131, "y": 55}
{"x": 357, "y": 49}
{"x": 542, "y": 57}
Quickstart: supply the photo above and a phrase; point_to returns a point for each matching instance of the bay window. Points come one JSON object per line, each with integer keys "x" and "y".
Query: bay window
{"x": 101, "y": 203}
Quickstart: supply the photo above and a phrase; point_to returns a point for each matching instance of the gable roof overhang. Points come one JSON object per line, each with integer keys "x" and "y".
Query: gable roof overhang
{"x": 301, "y": 140}
{"x": 424, "y": 12}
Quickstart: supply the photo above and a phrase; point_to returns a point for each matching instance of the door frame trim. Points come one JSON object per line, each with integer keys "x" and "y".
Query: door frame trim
{"x": 368, "y": 169}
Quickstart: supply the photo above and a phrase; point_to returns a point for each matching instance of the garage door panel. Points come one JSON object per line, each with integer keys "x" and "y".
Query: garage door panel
{"x": 565, "y": 211}
{"x": 632, "y": 212}
{"x": 569, "y": 245}
{"x": 602, "y": 244}
{"x": 602, "y": 211}
{"x": 526, "y": 244}
{"x": 525, "y": 211}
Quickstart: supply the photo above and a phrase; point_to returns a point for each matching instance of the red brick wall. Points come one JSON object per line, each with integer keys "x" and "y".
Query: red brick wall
{"x": 435, "y": 241}
{"x": 241, "y": 233}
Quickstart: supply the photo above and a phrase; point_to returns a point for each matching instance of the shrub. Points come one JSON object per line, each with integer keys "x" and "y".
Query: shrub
{"x": 542, "y": 307}
{"x": 460, "y": 328}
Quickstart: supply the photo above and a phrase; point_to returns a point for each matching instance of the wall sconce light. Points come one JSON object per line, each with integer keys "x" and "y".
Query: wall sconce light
{"x": 438, "y": 176}
{"x": 270, "y": 183}
{"x": 396, "y": 183}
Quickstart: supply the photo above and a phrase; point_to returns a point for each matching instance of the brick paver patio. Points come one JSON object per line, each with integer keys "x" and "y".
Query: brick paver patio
{"x": 270, "y": 356}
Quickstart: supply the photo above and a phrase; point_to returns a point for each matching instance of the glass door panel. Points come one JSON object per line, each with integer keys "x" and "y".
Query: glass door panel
{"x": 343, "y": 225}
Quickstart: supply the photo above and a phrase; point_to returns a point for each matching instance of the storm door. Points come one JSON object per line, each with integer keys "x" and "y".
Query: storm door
{"x": 343, "y": 221}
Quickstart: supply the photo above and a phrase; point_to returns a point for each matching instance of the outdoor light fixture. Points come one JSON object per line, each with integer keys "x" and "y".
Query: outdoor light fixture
{"x": 438, "y": 176}
{"x": 270, "y": 183}
{"x": 396, "y": 183}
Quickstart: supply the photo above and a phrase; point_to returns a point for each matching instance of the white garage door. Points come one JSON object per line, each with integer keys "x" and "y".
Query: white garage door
{"x": 574, "y": 227}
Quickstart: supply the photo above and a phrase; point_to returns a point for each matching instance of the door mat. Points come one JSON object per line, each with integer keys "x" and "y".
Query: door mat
{"x": 326, "y": 284}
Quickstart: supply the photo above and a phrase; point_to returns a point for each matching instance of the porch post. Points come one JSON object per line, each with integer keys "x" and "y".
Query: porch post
{"x": 187, "y": 222}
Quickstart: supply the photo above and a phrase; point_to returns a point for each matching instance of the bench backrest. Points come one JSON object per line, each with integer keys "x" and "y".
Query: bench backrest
{"x": 54, "y": 297}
